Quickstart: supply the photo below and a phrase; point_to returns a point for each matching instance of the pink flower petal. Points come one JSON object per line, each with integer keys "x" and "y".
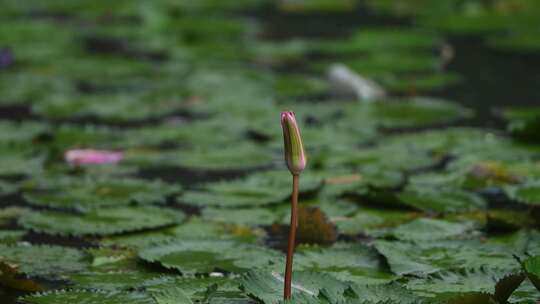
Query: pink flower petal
{"x": 92, "y": 157}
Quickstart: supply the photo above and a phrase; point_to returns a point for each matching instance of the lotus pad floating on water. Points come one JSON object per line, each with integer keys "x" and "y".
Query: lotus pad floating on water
{"x": 105, "y": 221}
{"x": 191, "y": 257}
{"x": 48, "y": 262}
{"x": 266, "y": 188}
{"x": 64, "y": 192}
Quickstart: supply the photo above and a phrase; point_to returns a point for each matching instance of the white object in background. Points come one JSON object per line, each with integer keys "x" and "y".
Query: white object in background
{"x": 346, "y": 81}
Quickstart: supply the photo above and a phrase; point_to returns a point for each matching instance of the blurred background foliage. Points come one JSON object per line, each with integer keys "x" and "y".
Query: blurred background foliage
{"x": 426, "y": 193}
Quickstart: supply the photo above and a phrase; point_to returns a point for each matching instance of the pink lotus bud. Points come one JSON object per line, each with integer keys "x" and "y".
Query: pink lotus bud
{"x": 294, "y": 149}
{"x": 92, "y": 157}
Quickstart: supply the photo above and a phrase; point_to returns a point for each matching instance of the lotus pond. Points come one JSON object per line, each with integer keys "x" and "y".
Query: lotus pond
{"x": 422, "y": 188}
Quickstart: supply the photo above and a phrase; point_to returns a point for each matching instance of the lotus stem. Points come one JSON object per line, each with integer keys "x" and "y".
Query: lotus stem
{"x": 292, "y": 238}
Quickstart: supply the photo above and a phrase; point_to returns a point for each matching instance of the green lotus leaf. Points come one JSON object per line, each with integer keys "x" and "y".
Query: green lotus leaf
{"x": 104, "y": 221}
{"x": 246, "y": 156}
{"x": 371, "y": 220}
{"x": 392, "y": 293}
{"x": 335, "y": 209}
{"x": 317, "y": 6}
{"x": 81, "y": 9}
{"x": 170, "y": 295}
{"x": 525, "y": 293}
{"x": 441, "y": 200}
{"x": 520, "y": 113}
{"x": 289, "y": 51}
{"x": 113, "y": 260}
{"x": 11, "y": 236}
{"x": 218, "y": 6}
{"x": 346, "y": 262}
{"x": 118, "y": 107}
{"x": 426, "y": 229}
{"x": 243, "y": 216}
{"x": 528, "y": 193}
{"x": 482, "y": 22}
{"x": 185, "y": 134}
{"x": 447, "y": 285}
{"x": 18, "y": 161}
{"x": 218, "y": 87}
{"x": 68, "y": 136}
{"x": 28, "y": 38}
{"x": 44, "y": 261}
{"x": 522, "y": 122}
{"x": 374, "y": 63}
{"x": 7, "y": 188}
{"x": 464, "y": 143}
{"x": 90, "y": 69}
{"x": 523, "y": 170}
{"x": 267, "y": 286}
{"x": 360, "y": 181}
{"x": 381, "y": 157}
{"x": 21, "y": 87}
{"x": 111, "y": 280}
{"x": 160, "y": 287}
{"x": 21, "y": 133}
{"x": 206, "y": 28}
{"x": 504, "y": 220}
{"x": 373, "y": 40}
{"x": 524, "y": 242}
{"x": 88, "y": 193}
{"x": 533, "y": 244}
{"x": 532, "y": 268}
{"x": 205, "y": 256}
{"x": 260, "y": 189}
{"x": 421, "y": 257}
{"x": 9, "y": 214}
{"x": 422, "y": 83}
{"x": 193, "y": 228}
{"x": 199, "y": 289}
{"x": 300, "y": 86}
{"x": 88, "y": 297}
{"x": 416, "y": 112}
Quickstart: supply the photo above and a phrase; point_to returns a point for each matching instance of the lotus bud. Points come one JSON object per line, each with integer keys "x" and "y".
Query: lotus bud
{"x": 294, "y": 149}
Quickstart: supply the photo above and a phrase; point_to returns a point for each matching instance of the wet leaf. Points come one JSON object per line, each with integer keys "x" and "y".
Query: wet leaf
{"x": 425, "y": 229}
{"x": 260, "y": 189}
{"x": 429, "y": 257}
{"x": 106, "y": 221}
{"x": 192, "y": 257}
{"x": 532, "y": 268}
{"x": 267, "y": 286}
{"x": 528, "y": 193}
{"x": 87, "y": 193}
{"x": 451, "y": 285}
{"x": 88, "y": 297}
{"x": 44, "y": 261}
{"x": 345, "y": 261}
{"x": 441, "y": 200}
